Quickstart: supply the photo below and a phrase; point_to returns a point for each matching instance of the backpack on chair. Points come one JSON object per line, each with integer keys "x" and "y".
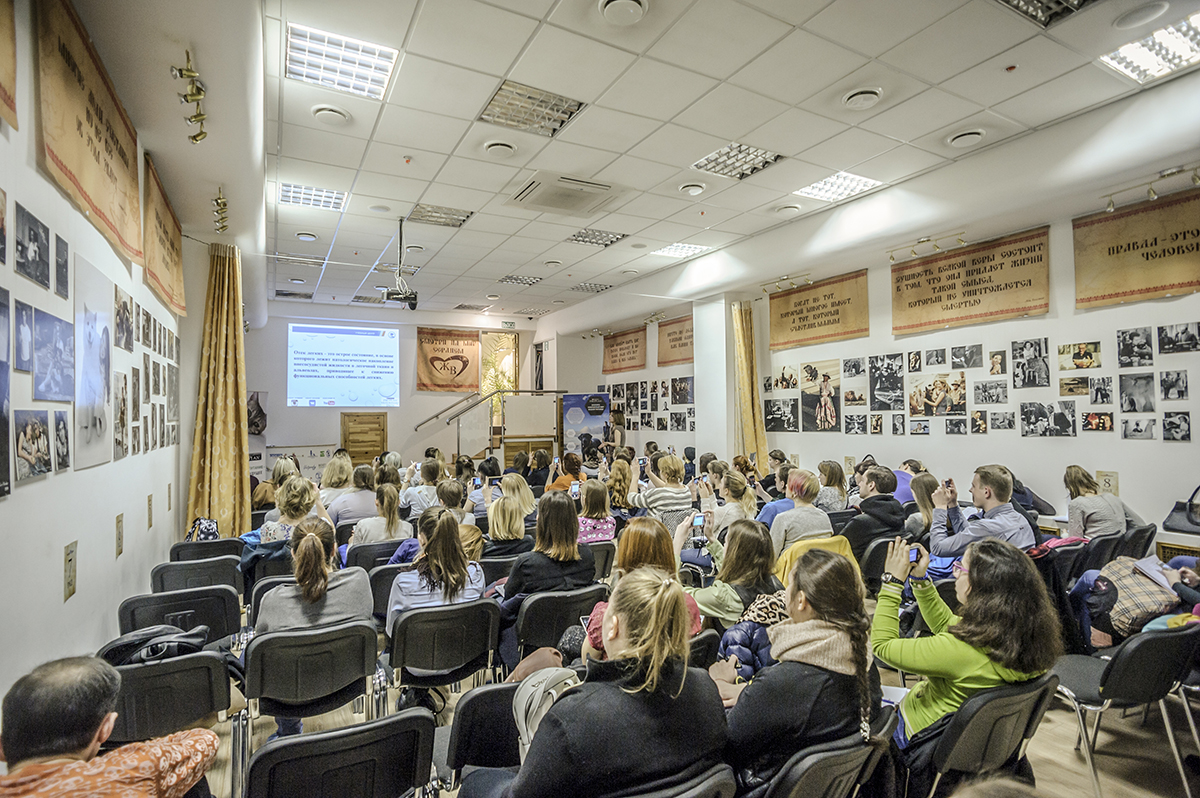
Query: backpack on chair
{"x": 533, "y": 700}
{"x": 153, "y": 644}
{"x": 203, "y": 529}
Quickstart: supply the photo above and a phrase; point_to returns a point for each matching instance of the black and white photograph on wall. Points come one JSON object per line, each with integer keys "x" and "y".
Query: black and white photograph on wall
{"x": 1030, "y": 363}
{"x": 997, "y": 363}
{"x": 937, "y": 394}
{"x": 3, "y": 231}
{"x": 145, "y": 377}
{"x": 956, "y": 426}
{"x": 647, "y": 420}
{"x": 135, "y": 439}
{"x": 1100, "y": 390}
{"x": 617, "y": 392}
{"x": 654, "y": 400}
{"x": 1177, "y": 426}
{"x": 781, "y": 415}
{"x": 146, "y": 432}
{"x": 32, "y": 244}
{"x": 660, "y": 424}
{"x": 135, "y": 395}
{"x": 853, "y": 398}
{"x": 1048, "y": 420}
{"x": 691, "y": 412}
{"x": 23, "y": 329}
{"x": 62, "y": 268}
{"x": 1073, "y": 386}
{"x": 654, "y": 388}
{"x": 856, "y": 425}
{"x": 898, "y": 423}
{"x": 786, "y": 379}
{"x": 935, "y": 357}
{"x": 32, "y": 431}
{"x": 678, "y": 422}
{"x": 991, "y": 392}
{"x": 1173, "y": 385}
{"x": 632, "y": 426}
{"x": 120, "y": 415}
{"x": 5, "y": 336}
{"x": 966, "y": 357}
{"x": 768, "y": 384}
{"x": 1079, "y": 356}
{"x": 1172, "y": 338}
{"x": 53, "y": 358}
{"x": 93, "y": 365}
{"x": 62, "y": 441}
{"x": 146, "y": 340}
{"x": 645, "y": 389}
{"x": 123, "y": 319}
{"x": 979, "y": 422}
{"x": 153, "y": 426}
{"x": 683, "y": 390}
{"x": 5, "y": 436}
{"x": 137, "y": 323}
{"x": 1095, "y": 421}
{"x": 631, "y": 395}
{"x": 1137, "y": 392}
{"x": 645, "y": 404}
{"x": 1002, "y": 420}
{"x": 1138, "y": 429}
{"x": 820, "y": 409}
{"x": 917, "y": 426}
{"x": 914, "y": 361}
{"x": 1135, "y": 347}
{"x": 887, "y": 382}
{"x": 854, "y": 367}
{"x": 162, "y": 424}
{"x": 691, "y": 425}
{"x": 664, "y": 390}
{"x": 876, "y": 423}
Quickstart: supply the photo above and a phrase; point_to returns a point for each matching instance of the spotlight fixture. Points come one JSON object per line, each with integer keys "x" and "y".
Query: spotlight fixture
{"x": 197, "y": 117}
{"x": 220, "y": 201}
{"x": 936, "y": 248}
{"x": 935, "y": 243}
{"x": 1151, "y": 193}
{"x": 961, "y": 242}
{"x": 185, "y": 72}
{"x": 891, "y": 258}
{"x": 1196, "y": 177}
{"x": 913, "y": 252}
{"x": 1111, "y": 206}
{"x": 194, "y": 94}
{"x": 221, "y": 206}
{"x": 199, "y": 136}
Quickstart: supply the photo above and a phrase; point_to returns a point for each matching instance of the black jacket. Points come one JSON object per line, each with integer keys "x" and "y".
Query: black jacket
{"x": 599, "y": 741}
{"x": 534, "y": 572}
{"x": 507, "y": 548}
{"x": 879, "y": 516}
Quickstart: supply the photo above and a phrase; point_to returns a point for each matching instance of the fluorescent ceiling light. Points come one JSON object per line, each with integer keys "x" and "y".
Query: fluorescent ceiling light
{"x": 472, "y": 308}
{"x": 591, "y": 288}
{"x": 439, "y": 215}
{"x": 338, "y": 62}
{"x": 312, "y": 197}
{"x": 1167, "y": 50}
{"x": 532, "y": 312}
{"x": 525, "y": 108}
{"x": 838, "y": 187}
{"x": 595, "y": 238}
{"x": 737, "y": 161}
{"x": 519, "y": 279}
{"x": 679, "y": 250}
{"x": 1045, "y": 12}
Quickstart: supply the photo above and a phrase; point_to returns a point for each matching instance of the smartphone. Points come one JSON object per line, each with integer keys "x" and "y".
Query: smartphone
{"x": 914, "y": 555}
{"x": 698, "y": 521}
{"x": 642, "y": 461}
{"x": 706, "y": 479}
{"x": 556, "y": 461}
{"x": 574, "y": 490}
{"x": 946, "y": 483}
{"x": 478, "y": 482}
{"x": 671, "y": 449}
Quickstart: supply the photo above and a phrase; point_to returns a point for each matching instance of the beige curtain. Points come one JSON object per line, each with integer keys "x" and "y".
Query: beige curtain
{"x": 220, "y": 481}
{"x": 751, "y": 431}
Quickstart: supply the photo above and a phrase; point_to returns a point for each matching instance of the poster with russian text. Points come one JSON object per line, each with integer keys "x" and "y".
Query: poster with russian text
{"x": 624, "y": 351}
{"x": 163, "y": 244}
{"x": 8, "y": 63}
{"x": 675, "y": 341}
{"x": 447, "y": 360}
{"x": 831, "y": 310}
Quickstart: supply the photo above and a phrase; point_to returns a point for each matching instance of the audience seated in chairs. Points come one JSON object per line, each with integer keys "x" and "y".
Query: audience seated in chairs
{"x": 358, "y": 503}
{"x": 441, "y": 573}
{"x": 263, "y": 497}
{"x": 540, "y": 472}
{"x": 335, "y": 479}
{"x": 297, "y": 498}
{"x": 569, "y": 469}
{"x": 780, "y": 505}
{"x": 770, "y": 487}
{"x": 855, "y": 484}
{"x": 668, "y": 500}
{"x": 620, "y": 478}
{"x": 904, "y": 475}
{"x": 917, "y": 524}
{"x": 450, "y": 495}
{"x": 416, "y": 498}
{"x": 605, "y": 737}
{"x": 744, "y": 566}
{"x": 54, "y": 721}
{"x": 738, "y": 496}
{"x": 596, "y": 522}
{"x": 520, "y": 465}
{"x": 991, "y": 489}
{"x": 803, "y": 521}
{"x": 1090, "y": 512}
{"x": 880, "y": 514}
{"x": 506, "y": 530}
{"x": 385, "y": 526}
{"x": 515, "y": 487}
{"x": 833, "y": 497}
{"x": 558, "y": 561}
{"x": 489, "y": 477}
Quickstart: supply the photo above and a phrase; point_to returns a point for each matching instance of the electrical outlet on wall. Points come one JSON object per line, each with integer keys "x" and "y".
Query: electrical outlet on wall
{"x": 69, "y": 569}
{"x": 150, "y": 511}
{"x": 120, "y": 533}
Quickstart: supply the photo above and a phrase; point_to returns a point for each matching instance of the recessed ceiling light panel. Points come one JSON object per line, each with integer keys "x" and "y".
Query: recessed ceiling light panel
{"x": 1167, "y": 50}
{"x": 436, "y": 214}
{"x": 525, "y": 108}
{"x": 519, "y": 279}
{"x": 623, "y": 13}
{"x": 692, "y": 189}
{"x": 1045, "y": 12}
{"x": 738, "y": 161}
{"x": 532, "y": 312}
{"x": 838, "y": 187}
{"x": 595, "y": 238}
{"x": 296, "y": 280}
{"x": 591, "y": 288}
{"x": 379, "y": 208}
{"x": 338, "y": 62}
{"x": 472, "y": 308}
{"x": 311, "y": 197}
{"x": 680, "y": 250}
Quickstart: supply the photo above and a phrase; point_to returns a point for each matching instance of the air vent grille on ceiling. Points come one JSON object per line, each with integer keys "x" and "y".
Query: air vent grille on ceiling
{"x": 281, "y": 294}
{"x": 390, "y": 268}
{"x": 436, "y": 214}
{"x": 519, "y": 279}
{"x": 551, "y": 192}
{"x": 591, "y": 288}
{"x": 472, "y": 308}
{"x": 738, "y": 161}
{"x": 532, "y": 312}
{"x": 595, "y": 238}
{"x": 284, "y": 259}
{"x": 525, "y": 108}
{"x": 369, "y": 300}
{"x": 1045, "y": 12}
{"x": 311, "y": 196}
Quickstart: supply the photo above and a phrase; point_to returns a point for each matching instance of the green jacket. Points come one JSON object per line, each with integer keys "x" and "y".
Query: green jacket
{"x": 718, "y": 600}
{"x": 953, "y": 669}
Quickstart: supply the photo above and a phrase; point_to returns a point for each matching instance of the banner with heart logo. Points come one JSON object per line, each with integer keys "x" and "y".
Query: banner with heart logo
{"x": 447, "y": 360}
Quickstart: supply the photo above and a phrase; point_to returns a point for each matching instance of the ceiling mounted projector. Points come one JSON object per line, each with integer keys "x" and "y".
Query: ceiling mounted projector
{"x": 398, "y": 295}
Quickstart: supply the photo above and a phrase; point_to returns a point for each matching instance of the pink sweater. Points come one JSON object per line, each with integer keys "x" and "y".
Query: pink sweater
{"x": 592, "y": 530}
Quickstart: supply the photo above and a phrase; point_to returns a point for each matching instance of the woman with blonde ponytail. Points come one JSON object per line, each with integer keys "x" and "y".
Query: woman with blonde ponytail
{"x": 640, "y": 721}
{"x": 385, "y": 526}
{"x": 738, "y": 496}
{"x": 320, "y": 597}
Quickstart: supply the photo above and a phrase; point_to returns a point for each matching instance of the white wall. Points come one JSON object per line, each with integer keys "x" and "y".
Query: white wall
{"x": 45, "y": 514}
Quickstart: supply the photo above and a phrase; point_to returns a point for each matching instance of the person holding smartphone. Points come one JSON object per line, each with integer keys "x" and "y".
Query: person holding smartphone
{"x": 991, "y": 491}
{"x": 486, "y": 479}
{"x": 563, "y": 473}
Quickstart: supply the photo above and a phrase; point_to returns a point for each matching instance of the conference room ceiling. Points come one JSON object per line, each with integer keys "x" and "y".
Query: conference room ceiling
{"x": 690, "y": 78}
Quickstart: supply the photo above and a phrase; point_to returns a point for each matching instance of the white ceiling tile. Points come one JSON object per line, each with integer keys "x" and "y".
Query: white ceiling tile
{"x": 788, "y": 175}
{"x": 670, "y": 232}
{"x": 481, "y": 133}
{"x": 995, "y": 128}
{"x": 429, "y": 85}
{"x": 848, "y": 148}
{"x": 572, "y": 159}
{"x": 481, "y": 175}
{"x": 929, "y": 110}
{"x": 718, "y": 37}
{"x": 544, "y": 231}
{"x": 794, "y": 12}
{"x": 1074, "y": 91}
{"x": 745, "y": 196}
{"x": 747, "y": 224}
{"x": 271, "y": 137}
{"x": 508, "y": 256}
{"x": 299, "y": 100}
{"x": 497, "y": 206}
{"x": 360, "y": 203}
{"x": 470, "y": 34}
{"x": 271, "y": 97}
{"x": 310, "y": 173}
{"x": 408, "y": 162}
{"x": 871, "y": 27}
{"x": 607, "y": 129}
{"x": 651, "y": 206}
{"x": 702, "y": 215}
{"x": 1038, "y": 60}
{"x": 530, "y": 8}
{"x": 895, "y": 87}
{"x": 897, "y": 164}
{"x": 713, "y": 238}
{"x": 793, "y": 131}
{"x": 491, "y": 223}
{"x": 377, "y": 21}
{"x": 729, "y": 112}
{"x": 657, "y": 90}
{"x": 477, "y": 238}
{"x": 584, "y": 18}
{"x": 456, "y": 197}
{"x": 388, "y": 188}
{"x": 677, "y": 146}
{"x": 568, "y": 252}
{"x": 412, "y": 128}
{"x": 1095, "y": 34}
{"x": 635, "y": 172}
{"x": 798, "y": 67}
{"x": 713, "y": 185}
{"x": 569, "y": 64}
{"x": 622, "y": 223}
{"x": 960, "y": 40}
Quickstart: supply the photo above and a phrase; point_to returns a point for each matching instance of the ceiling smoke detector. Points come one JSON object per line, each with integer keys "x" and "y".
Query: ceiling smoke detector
{"x": 1140, "y": 16}
{"x": 968, "y": 138}
{"x": 331, "y": 115}
{"x": 862, "y": 99}
{"x": 499, "y": 149}
{"x": 623, "y": 13}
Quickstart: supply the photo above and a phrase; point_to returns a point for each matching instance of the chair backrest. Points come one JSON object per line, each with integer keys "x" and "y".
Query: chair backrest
{"x": 604, "y": 552}
{"x": 1100, "y": 551}
{"x": 160, "y": 698}
{"x": 537, "y": 490}
{"x": 831, "y": 770}
{"x": 873, "y": 562}
{"x": 446, "y": 638}
{"x": 215, "y": 606}
{"x": 382, "y": 577}
{"x": 196, "y": 573}
{"x": 1146, "y": 667}
{"x": 258, "y": 518}
{"x": 377, "y": 759}
{"x": 543, "y": 617}
{"x": 910, "y": 508}
{"x": 496, "y": 568}
{"x": 203, "y": 549}
{"x": 484, "y": 733}
{"x": 840, "y": 518}
{"x": 991, "y": 726}
{"x": 266, "y": 567}
{"x": 481, "y": 521}
{"x": 261, "y": 588}
{"x": 369, "y": 555}
{"x": 706, "y": 647}
{"x": 343, "y": 532}
{"x": 1066, "y": 557}
{"x": 309, "y": 664}
{"x": 1136, "y": 541}
{"x": 716, "y": 782}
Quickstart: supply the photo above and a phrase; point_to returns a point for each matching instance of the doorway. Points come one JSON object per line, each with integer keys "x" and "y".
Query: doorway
{"x": 364, "y": 436}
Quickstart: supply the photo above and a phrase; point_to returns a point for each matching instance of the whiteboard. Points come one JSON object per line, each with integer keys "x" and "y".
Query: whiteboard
{"x": 531, "y": 415}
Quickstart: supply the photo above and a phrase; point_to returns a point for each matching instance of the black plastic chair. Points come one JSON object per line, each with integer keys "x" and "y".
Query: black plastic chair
{"x": 1144, "y": 669}
{"x": 258, "y": 518}
{"x": 840, "y": 518}
{"x": 483, "y": 734}
{"x": 261, "y": 588}
{"x": 716, "y": 782}
{"x": 543, "y": 617}
{"x": 604, "y": 552}
{"x": 266, "y": 568}
{"x": 216, "y": 607}
{"x": 196, "y": 573}
{"x": 370, "y": 555}
{"x": 382, "y": 577}
{"x": 873, "y": 561}
{"x": 1136, "y": 541}
{"x": 1066, "y": 557}
{"x": 496, "y": 568}
{"x": 379, "y": 759}
{"x": 343, "y": 533}
{"x": 1100, "y": 551}
{"x": 203, "y": 549}
{"x": 537, "y": 490}
{"x": 160, "y": 698}
{"x": 831, "y": 770}
{"x": 910, "y": 508}
{"x": 705, "y": 649}
{"x": 453, "y": 642}
{"x": 481, "y": 521}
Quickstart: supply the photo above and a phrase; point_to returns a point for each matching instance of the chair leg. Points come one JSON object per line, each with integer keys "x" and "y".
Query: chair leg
{"x": 1187, "y": 711}
{"x": 1162, "y": 707}
{"x": 1096, "y": 730}
{"x": 1145, "y": 714}
{"x": 1087, "y": 749}
{"x": 235, "y": 753}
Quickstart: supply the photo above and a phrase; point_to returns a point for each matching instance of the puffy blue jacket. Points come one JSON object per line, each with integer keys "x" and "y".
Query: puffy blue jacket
{"x": 748, "y": 641}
